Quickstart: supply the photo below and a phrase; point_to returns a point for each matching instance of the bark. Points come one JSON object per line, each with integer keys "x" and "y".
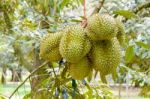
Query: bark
{"x": 16, "y": 75}
{"x": 3, "y": 79}
{"x": 36, "y": 80}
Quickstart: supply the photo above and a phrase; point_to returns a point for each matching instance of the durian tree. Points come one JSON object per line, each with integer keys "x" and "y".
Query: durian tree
{"x": 135, "y": 69}
{"x": 67, "y": 44}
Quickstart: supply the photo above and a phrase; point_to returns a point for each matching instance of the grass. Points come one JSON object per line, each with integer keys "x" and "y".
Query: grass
{"x": 7, "y": 89}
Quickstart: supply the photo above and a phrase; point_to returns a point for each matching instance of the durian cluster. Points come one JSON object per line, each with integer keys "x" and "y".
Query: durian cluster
{"x": 95, "y": 47}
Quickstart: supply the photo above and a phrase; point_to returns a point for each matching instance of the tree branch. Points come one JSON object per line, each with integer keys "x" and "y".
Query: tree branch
{"x": 139, "y": 8}
{"x": 41, "y": 66}
{"x": 97, "y": 9}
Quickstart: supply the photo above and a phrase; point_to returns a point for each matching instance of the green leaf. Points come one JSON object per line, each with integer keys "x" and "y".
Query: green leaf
{"x": 143, "y": 45}
{"x": 75, "y": 20}
{"x": 129, "y": 54}
{"x": 2, "y": 97}
{"x": 64, "y": 3}
{"x": 125, "y": 13}
{"x": 81, "y": 1}
{"x": 46, "y": 3}
{"x": 27, "y": 96}
{"x": 89, "y": 94}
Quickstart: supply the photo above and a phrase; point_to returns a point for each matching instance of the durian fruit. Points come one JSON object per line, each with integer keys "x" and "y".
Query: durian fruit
{"x": 80, "y": 70}
{"x": 121, "y": 32}
{"x": 101, "y": 27}
{"x": 49, "y": 47}
{"x": 106, "y": 56}
{"x": 74, "y": 44}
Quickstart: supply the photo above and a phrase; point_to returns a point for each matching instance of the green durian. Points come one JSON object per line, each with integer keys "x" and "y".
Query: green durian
{"x": 101, "y": 27}
{"x": 121, "y": 32}
{"x": 49, "y": 47}
{"x": 106, "y": 56}
{"x": 80, "y": 70}
{"x": 74, "y": 44}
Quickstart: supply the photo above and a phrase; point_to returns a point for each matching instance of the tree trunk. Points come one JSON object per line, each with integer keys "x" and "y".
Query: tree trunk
{"x": 37, "y": 79}
{"x": 16, "y": 75}
{"x": 3, "y": 79}
{"x": 36, "y": 85}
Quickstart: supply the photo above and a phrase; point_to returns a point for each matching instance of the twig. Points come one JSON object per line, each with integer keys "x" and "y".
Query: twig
{"x": 139, "y": 8}
{"x": 97, "y": 9}
{"x": 41, "y": 66}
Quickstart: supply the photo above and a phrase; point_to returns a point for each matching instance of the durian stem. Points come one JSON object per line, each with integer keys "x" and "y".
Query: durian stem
{"x": 85, "y": 9}
{"x": 103, "y": 78}
{"x": 96, "y": 10}
{"x": 54, "y": 71}
{"x": 34, "y": 71}
{"x": 84, "y": 22}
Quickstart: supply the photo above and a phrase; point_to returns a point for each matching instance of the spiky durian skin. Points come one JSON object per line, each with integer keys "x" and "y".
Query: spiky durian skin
{"x": 80, "y": 70}
{"x": 74, "y": 44}
{"x": 106, "y": 56}
{"x": 121, "y": 32}
{"x": 101, "y": 27}
{"x": 49, "y": 47}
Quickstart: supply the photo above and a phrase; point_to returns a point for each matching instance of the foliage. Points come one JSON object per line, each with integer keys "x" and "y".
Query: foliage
{"x": 24, "y": 22}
